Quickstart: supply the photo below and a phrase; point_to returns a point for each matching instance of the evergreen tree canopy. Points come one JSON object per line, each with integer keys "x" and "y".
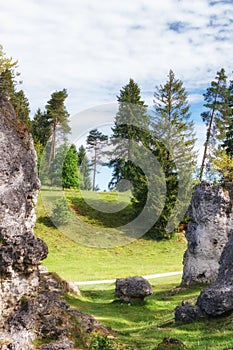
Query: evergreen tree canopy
{"x": 131, "y": 126}
{"x": 173, "y": 141}
{"x": 41, "y": 127}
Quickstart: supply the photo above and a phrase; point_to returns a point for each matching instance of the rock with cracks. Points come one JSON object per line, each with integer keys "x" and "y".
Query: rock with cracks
{"x": 211, "y": 218}
{"x": 31, "y": 303}
{"x": 132, "y": 289}
{"x": 216, "y": 300}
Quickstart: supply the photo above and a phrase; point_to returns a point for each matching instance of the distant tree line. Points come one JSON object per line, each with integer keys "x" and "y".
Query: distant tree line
{"x": 166, "y": 132}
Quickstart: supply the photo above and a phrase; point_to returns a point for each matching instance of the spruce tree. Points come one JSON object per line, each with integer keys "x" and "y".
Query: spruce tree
{"x": 131, "y": 127}
{"x": 173, "y": 141}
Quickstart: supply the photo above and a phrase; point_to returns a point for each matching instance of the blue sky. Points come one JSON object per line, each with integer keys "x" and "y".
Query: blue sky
{"x": 92, "y": 48}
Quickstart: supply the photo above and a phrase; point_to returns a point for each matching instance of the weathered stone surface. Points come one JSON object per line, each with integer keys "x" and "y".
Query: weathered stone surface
{"x": 211, "y": 218}
{"x": 58, "y": 345}
{"x": 31, "y": 304}
{"x": 218, "y": 298}
{"x": 47, "y": 316}
{"x": 132, "y": 289}
{"x": 20, "y": 251}
{"x": 188, "y": 313}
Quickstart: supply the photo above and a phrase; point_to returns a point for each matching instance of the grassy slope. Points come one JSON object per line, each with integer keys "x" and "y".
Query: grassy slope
{"x": 77, "y": 262}
{"x": 141, "y": 327}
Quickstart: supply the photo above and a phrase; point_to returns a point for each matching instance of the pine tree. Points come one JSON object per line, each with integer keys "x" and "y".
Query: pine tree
{"x": 96, "y": 140}
{"x": 131, "y": 127}
{"x": 217, "y": 117}
{"x": 58, "y": 117}
{"x": 172, "y": 143}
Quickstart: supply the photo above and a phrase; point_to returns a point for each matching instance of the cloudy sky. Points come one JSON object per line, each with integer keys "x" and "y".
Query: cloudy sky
{"x": 92, "y": 48}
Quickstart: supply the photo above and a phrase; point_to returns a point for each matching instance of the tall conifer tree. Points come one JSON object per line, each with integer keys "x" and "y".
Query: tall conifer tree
{"x": 173, "y": 141}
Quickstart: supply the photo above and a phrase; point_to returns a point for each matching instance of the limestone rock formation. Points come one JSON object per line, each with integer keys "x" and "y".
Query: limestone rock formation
{"x": 20, "y": 251}
{"x": 30, "y": 302}
{"x": 211, "y": 218}
{"x": 217, "y": 299}
{"x": 132, "y": 289}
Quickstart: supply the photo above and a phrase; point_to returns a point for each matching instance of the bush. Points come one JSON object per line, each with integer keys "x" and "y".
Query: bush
{"x": 61, "y": 212}
{"x": 99, "y": 342}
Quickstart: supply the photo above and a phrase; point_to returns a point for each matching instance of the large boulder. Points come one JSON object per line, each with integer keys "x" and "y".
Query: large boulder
{"x": 211, "y": 219}
{"x": 132, "y": 289}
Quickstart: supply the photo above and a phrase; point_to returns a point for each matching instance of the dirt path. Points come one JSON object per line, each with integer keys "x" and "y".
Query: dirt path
{"x": 167, "y": 274}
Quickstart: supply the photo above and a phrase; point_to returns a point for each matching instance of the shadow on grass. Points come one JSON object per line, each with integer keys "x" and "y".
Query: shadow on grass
{"x": 101, "y": 218}
{"x": 45, "y": 220}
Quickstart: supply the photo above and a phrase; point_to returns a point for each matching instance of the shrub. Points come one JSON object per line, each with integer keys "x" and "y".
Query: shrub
{"x": 61, "y": 212}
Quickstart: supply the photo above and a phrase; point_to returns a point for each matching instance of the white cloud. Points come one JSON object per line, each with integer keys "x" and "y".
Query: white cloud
{"x": 93, "y": 48}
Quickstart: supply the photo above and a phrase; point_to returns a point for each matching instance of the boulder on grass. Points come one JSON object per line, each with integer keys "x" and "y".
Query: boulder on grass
{"x": 132, "y": 289}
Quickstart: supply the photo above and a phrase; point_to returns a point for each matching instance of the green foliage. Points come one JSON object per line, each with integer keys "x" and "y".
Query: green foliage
{"x": 172, "y": 144}
{"x": 131, "y": 127}
{"x": 21, "y": 107}
{"x": 70, "y": 168}
{"x": 223, "y": 164}
{"x": 102, "y": 342}
{"x": 41, "y": 128}
{"x": 8, "y": 85}
{"x": 61, "y": 212}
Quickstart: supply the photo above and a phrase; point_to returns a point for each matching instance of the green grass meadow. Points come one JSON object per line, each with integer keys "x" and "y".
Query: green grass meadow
{"x": 136, "y": 326}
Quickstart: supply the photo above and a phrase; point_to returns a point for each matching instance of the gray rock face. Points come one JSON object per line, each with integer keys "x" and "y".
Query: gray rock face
{"x": 211, "y": 219}
{"x": 20, "y": 251}
{"x": 218, "y": 298}
{"x": 30, "y": 302}
{"x": 132, "y": 289}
